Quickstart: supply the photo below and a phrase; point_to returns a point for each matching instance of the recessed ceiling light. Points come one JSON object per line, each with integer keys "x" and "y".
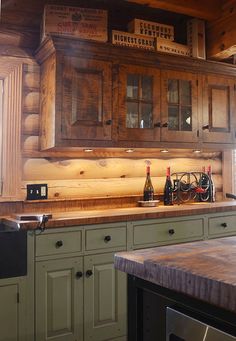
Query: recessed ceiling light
{"x": 164, "y": 151}
{"x": 129, "y": 150}
{"x": 88, "y": 150}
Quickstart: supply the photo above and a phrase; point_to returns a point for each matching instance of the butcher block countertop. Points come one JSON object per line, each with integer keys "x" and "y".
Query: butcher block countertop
{"x": 205, "y": 270}
{"x": 86, "y": 217}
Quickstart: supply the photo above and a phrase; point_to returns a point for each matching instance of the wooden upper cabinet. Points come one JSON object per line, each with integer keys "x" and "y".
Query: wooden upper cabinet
{"x": 139, "y": 103}
{"x": 179, "y": 106}
{"x": 86, "y": 99}
{"x": 76, "y": 101}
{"x": 218, "y": 109}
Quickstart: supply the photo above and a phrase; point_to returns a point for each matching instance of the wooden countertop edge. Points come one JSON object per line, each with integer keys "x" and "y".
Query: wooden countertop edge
{"x": 74, "y": 218}
{"x": 167, "y": 266}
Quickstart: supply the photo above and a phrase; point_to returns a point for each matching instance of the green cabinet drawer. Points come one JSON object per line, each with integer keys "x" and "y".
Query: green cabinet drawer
{"x": 58, "y": 243}
{"x": 222, "y": 225}
{"x": 156, "y": 232}
{"x": 105, "y": 238}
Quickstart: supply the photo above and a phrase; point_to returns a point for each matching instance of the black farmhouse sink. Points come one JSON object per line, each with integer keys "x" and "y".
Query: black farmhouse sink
{"x": 13, "y": 252}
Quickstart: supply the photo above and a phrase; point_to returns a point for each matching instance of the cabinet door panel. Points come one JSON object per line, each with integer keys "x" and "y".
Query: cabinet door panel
{"x": 218, "y": 109}
{"x": 179, "y": 106}
{"x": 139, "y": 103}
{"x": 105, "y": 299}
{"x": 59, "y": 297}
{"x": 9, "y": 326}
{"x": 86, "y": 99}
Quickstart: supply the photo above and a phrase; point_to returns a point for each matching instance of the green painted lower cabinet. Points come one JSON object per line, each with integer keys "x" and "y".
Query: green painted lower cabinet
{"x": 13, "y": 310}
{"x": 59, "y": 300}
{"x": 80, "y": 298}
{"x": 104, "y": 299}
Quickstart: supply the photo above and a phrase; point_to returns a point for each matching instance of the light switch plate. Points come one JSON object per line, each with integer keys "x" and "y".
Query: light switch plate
{"x": 37, "y": 191}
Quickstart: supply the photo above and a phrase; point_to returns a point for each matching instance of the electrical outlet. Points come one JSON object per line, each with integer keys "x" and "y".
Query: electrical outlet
{"x": 37, "y": 192}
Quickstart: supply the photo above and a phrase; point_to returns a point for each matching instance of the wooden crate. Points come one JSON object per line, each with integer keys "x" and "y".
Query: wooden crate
{"x": 151, "y": 29}
{"x": 85, "y": 23}
{"x": 132, "y": 40}
{"x": 196, "y": 38}
{"x": 163, "y": 45}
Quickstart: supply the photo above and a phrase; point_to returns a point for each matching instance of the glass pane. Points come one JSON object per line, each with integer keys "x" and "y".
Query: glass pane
{"x": 132, "y": 86}
{"x": 185, "y": 92}
{"x": 173, "y": 118}
{"x": 173, "y": 91}
{"x": 132, "y": 115}
{"x": 146, "y": 116}
{"x": 186, "y": 119}
{"x": 146, "y": 88}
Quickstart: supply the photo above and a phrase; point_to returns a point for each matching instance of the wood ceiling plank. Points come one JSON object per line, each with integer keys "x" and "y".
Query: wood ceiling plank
{"x": 208, "y": 10}
{"x": 221, "y": 33}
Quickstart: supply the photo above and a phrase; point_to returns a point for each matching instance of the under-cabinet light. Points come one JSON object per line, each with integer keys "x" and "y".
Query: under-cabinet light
{"x": 129, "y": 150}
{"x": 197, "y": 151}
{"x": 88, "y": 150}
{"x": 164, "y": 151}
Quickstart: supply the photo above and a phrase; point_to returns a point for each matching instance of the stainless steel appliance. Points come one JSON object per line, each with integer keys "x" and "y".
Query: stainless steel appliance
{"x": 180, "y": 327}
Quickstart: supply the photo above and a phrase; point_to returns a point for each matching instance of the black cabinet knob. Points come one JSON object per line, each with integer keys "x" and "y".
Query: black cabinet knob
{"x": 107, "y": 239}
{"x": 88, "y": 273}
{"x": 59, "y": 243}
{"x": 224, "y": 225}
{"x": 79, "y": 274}
{"x": 171, "y": 231}
{"x": 206, "y": 127}
{"x": 108, "y": 122}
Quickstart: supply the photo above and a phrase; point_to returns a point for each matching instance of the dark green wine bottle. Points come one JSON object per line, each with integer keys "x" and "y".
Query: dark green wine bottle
{"x": 168, "y": 189}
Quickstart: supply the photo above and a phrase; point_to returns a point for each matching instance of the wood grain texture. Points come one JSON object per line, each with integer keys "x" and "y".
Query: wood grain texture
{"x": 204, "y": 270}
{"x": 68, "y": 217}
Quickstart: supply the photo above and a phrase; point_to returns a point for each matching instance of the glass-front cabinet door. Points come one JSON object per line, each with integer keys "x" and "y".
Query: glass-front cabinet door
{"x": 139, "y": 104}
{"x": 179, "y": 107}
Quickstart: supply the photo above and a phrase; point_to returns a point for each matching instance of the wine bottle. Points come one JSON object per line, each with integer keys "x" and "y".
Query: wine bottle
{"x": 148, "y": 191}
{"x": 212, "y": 191}
{"x": 168, "y": 189}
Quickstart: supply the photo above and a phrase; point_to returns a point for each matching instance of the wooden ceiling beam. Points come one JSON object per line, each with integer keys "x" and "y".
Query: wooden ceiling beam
{"x": 221, "y": 33}
{"x": 208, "y": 10}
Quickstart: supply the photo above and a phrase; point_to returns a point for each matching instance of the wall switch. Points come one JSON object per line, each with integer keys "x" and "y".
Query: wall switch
{"x": 37, "y": 192}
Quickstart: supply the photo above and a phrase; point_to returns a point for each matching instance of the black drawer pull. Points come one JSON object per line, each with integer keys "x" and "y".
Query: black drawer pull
{"x": 107, "y": 239}
{"x": 59, "y": 243}
{"x": 79, "y": 274}
{"x": 171, "y": 231}
{"x": 89, "y": 273}
{"x": 109, "y": 122}
{"x": 224, "y": 225}
{"x": 206, "y": 127}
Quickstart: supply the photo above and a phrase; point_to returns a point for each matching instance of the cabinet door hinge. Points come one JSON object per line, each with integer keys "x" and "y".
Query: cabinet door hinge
{"x": 196, "y": 82}
{"x": 18, "y": 297}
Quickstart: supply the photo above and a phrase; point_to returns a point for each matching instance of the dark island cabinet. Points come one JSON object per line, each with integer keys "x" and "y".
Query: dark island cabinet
{"x": 99, "y": 95}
